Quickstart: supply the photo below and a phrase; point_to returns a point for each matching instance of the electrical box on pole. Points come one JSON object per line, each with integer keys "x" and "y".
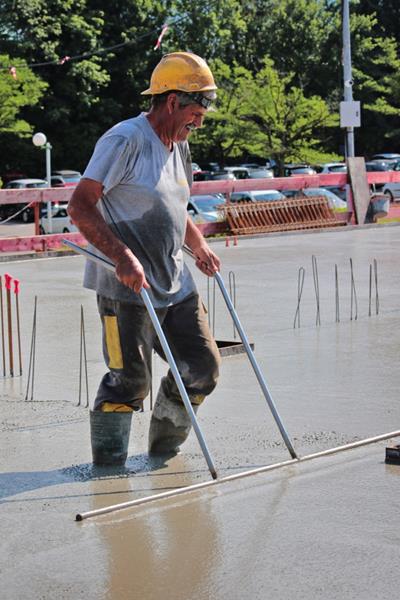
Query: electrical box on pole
{"x": 350, "y": 114}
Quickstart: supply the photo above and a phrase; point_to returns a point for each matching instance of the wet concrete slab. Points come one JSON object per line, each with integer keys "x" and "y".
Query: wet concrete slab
{"x": 322, "y": 529}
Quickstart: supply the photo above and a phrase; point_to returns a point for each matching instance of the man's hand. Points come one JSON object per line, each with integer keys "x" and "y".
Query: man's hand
{"x": 130, "y": 272}
{"x": 206, "y": 260}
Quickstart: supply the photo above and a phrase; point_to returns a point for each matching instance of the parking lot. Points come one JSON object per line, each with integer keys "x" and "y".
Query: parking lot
{"x": 324, "y": 529}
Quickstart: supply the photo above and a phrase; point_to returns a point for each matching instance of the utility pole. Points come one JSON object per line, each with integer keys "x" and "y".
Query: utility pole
{"x": 347, "y": 77}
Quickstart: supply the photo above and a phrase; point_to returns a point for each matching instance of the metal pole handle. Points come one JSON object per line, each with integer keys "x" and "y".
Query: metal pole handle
{"x": 178, "y": 380}
{"x": 255, "y": 366}
{"x": 252, "y": 359}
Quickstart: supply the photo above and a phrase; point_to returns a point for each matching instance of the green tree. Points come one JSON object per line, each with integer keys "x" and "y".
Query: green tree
{"x": 266, "y": 116}
{"x": 16, "y": 92}
{"x": 45, "y": 34}
{"x": 223, "y": 134}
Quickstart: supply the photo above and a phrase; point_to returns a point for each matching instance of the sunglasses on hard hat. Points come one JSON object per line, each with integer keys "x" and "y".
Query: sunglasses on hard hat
{"x": 196, "y": 98}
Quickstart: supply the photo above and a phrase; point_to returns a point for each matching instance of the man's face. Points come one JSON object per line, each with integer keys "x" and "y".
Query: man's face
{"x": 184, "y": 119}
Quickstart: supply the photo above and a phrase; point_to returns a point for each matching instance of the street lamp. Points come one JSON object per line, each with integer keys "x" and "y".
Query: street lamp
{"x": 40, "y": 140}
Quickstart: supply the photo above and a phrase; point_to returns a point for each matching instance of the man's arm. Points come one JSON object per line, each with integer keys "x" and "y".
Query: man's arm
{"x": 83, "y": 212}
{"x": 206, "y": 260}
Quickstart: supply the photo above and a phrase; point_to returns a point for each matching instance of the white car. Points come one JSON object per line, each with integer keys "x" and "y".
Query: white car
{"x": 333, "y": 167}
{"x": 203, "y": 208}
{"x": 19, "y": 184}
{"x": 257, "y": 196}
{"x": 392, "y": 190}
{"x": 334, "y": 201}
{"x": 391, "y": 157}
{"x": 60, "y": 220}
{"x": 241, "y": 172}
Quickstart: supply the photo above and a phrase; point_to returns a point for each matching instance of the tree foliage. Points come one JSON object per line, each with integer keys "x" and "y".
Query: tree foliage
{"x": 266, "y": 116}
{"x": 111, "y": 53}
{"x": 25, "y": 89}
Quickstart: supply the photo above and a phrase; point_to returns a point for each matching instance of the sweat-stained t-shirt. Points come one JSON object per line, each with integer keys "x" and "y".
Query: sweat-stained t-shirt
{"x": 144, "y": 201}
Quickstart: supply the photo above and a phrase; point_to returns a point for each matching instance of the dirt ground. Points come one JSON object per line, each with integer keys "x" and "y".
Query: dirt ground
{"x": 323, "y": 529}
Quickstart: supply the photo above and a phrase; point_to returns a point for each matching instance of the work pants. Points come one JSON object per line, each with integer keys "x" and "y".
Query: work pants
{"x": 129, "y": 339}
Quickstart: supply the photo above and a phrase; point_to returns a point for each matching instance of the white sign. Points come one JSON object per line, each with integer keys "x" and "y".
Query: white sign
{"x": 350, "y": 114}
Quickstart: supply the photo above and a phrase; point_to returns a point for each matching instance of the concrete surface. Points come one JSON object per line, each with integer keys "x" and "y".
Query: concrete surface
{"x": 324, "y": 529}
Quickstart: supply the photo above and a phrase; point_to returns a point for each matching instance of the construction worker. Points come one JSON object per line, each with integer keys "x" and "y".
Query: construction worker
{"x": 131, "y": 205}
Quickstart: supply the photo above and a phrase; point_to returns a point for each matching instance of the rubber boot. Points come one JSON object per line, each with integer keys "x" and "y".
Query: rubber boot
{"x": 170, "y": 425}
{"x": 109, "y": 432}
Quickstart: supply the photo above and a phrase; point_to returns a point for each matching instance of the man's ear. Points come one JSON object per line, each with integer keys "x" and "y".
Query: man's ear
{"x": 172, "y": 103}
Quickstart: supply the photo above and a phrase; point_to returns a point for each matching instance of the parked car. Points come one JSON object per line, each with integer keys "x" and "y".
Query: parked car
{"x": 237, "y": 172}
{"x": 374, "y": 166}
{"x": 211, "y": 166}
{"x": 240, "y": 172}
{"x": 388, "y": 156}
{"x": 203, "y": 208}
{"x": 260, "y": 173}
{"x": 18, "y": 184}
{"x": 257, "y": 196}
{"x": 332, "y": 167}
{"x": 392, "y": 190}
{"x": 299, "y": 170}
{"x": 7, "y": 210}
{"x": 250, "y": 166}
{"x": 65, "y": 178}
{"x": 195, "y": 167}
{"x": 378, "y": 165}
{"x": 201, "y": 175}
{"x": 60, "y": 220}
{"x": 218, "y": 175}
{"x": 334, "y": 201}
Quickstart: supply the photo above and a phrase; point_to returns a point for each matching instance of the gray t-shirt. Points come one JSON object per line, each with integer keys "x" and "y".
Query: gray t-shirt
{"x": 144, "y": 201}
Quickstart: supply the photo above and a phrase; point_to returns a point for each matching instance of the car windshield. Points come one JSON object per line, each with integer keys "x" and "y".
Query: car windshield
{"x": 338, "y": 169}
{"x": 317, "y": 192}
{"x": 71, "y": 178}
{"x": 37, "y": 185}
{"x": 206, "y": 203}
{"x": 378, "y": 167}
{"x": 270, "y": 195}
{"x": 259, "y": 173}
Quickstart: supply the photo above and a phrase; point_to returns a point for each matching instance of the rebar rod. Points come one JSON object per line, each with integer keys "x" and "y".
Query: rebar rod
{"x": 316, "y": 288}
{"x": 376, "y": 287}
{"x": 2, "y": 327}
{"x": 83, "y": 359}
{"x": 337, "y": 304}
{"x": 353, "y": 294}
{"x": 32, "y": 356}
{"x": 300, "y": 284}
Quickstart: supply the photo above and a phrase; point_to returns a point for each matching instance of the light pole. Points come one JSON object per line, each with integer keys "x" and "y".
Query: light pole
{"x": 349, "y": 110}
{"x": 40, "y": 140}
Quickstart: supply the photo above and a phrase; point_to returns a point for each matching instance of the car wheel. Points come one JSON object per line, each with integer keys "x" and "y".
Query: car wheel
{"x": 65, "y": 230}
{"x": 389, "y": 195}
{"x": 41, "y": 230}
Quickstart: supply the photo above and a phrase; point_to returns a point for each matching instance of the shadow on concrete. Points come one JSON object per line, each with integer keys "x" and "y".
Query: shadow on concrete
{"x": 19, "y": 482}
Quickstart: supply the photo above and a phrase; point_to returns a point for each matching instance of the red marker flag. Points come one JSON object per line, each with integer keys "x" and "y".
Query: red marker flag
{"x": 160, "y": 37}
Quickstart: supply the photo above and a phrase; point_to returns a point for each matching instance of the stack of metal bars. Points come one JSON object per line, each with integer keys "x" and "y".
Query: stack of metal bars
{"x": 281, "y": 215}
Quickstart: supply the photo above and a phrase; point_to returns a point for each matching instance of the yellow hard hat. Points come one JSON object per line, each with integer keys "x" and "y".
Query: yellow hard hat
{"x": 182, "y": 71}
